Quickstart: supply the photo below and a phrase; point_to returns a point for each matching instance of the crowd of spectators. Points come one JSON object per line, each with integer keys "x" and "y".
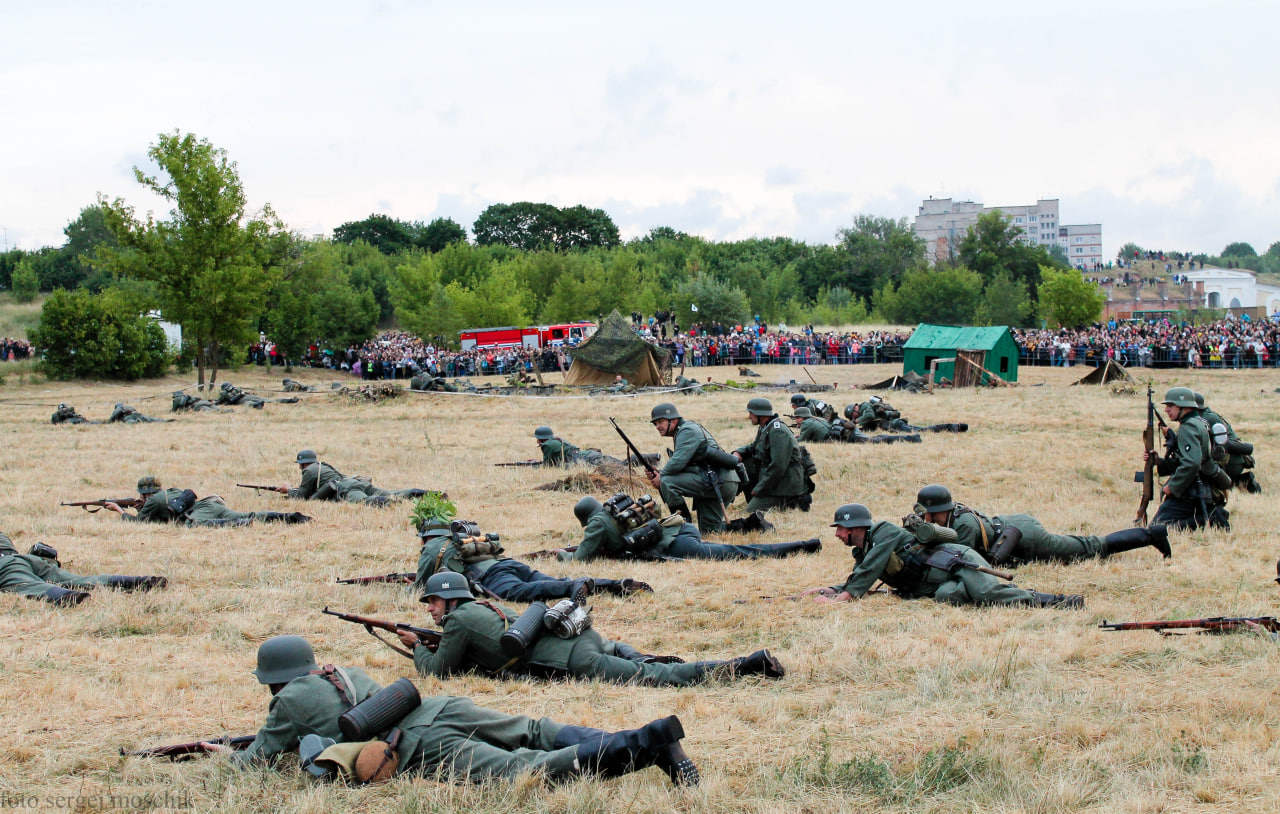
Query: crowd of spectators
{"x": 13, "y": 350}
{"x": 1233, "y": 343}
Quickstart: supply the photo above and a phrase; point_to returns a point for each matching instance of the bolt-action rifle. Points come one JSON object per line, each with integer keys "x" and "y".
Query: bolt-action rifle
{"x": 122, "y": 502}
{"x": 257, "y": 487}
{"x": 520, "y": 463}
{"x": 186, "y": 751}
{"x": 951, "y": 561}
{"x": 431, "y": 638}
{"x": 1213, "y": 625}
{"x": 403, "y": 576}
{"x": 636, "y": 454}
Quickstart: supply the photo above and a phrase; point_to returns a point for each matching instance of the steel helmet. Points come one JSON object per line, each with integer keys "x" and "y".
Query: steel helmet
{"x": 1180, "y": 397}
{"x": 853, "y": 516}
{"x": 935, "y": 498}
{"x": 798, "y": 399}
{"x": 759, "y": 406}
{"x": 281, "y": 659}
{"x": 307, "y": 456}
{"x": 586, "y": 508}
{"x": 447, "y": 585}
{"x": 664, "y": 410}
{"x": 544, "y": 433}
{"x": 148, "y": 485}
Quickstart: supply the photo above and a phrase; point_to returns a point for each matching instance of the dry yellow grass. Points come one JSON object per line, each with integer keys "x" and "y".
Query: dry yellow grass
{"x": 887, "y": 705}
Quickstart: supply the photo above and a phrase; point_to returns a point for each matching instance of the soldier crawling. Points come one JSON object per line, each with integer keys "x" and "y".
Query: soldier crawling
{"x": 184, "y": 507}
{"x": 320, "y": 481}
{"x": 39, "y": 575}
{"x": 558, "y": 452}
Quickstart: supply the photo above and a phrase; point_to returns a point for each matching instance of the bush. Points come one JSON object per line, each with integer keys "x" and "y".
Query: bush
{"x": 26, "y": 283}
{"x": 98, "y": 336}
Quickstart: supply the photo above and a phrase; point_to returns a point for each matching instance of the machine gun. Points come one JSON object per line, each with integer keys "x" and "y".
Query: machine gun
{"x": 122, "y": 502}
{"x": 1212, "y": 624}
{"x": 636, "y": 454}
{"x": 431, "y": 638}
{"x": 405, "y": 577}
{"x": 257, "y": 487}
{"x": 186, "y": 751}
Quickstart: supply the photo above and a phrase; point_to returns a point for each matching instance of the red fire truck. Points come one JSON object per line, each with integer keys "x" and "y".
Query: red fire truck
{"x": 537, "y": 336}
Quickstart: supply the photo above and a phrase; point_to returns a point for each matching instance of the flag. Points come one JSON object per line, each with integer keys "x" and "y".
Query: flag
{"x": 693, "y": 307}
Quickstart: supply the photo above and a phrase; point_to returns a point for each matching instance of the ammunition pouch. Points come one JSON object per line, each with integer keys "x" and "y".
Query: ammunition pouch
{"x": 1008, "y": 540}
{"x": 182, "y": 504}
{"x": 567, "y": 619}
{"x": 905, "y": 569}
{"x": 1237, "y": 447}
{"x": 643, "y": 538}
{"x": 524, "y": 631}
{"x": 380, "y": 712}
{"x": 47, "y": 552}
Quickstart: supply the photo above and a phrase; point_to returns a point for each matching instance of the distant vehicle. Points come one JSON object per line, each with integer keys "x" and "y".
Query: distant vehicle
{"x": 537, "y": 336}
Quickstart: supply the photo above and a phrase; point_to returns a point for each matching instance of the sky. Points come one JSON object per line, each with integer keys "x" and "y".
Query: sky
{"x": 1158, "y": 120}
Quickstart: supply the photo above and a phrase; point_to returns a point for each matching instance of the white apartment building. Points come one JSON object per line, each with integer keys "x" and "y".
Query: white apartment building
{"x": 942, "y": 223}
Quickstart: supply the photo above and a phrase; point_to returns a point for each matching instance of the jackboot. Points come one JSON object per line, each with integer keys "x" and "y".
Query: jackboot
{"x": 62, "y": 596}
{"x": 136, "y": 583}
{"x": 613, "y": 754}
{"x": 752, "y": 522}
{"x": 678, "y": 765}
{"x": 670, "y": 757}
{"x": 1154, "y": 535}
{"x": 621, "y": 587}
{"x": 811, "y": 546}
{"x": 1058, "y": 601}
{"x": 947, "y": 428}
{"x": 761, "y": 662}
{"x": 580, "y": 589}
{"x": 914, "y": 438}
{"x": 293, "y": 518}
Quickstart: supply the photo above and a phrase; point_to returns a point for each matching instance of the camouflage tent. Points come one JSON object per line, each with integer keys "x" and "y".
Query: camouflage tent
{"x": 1109, "y": 372}
{"x": 616, "y": 349}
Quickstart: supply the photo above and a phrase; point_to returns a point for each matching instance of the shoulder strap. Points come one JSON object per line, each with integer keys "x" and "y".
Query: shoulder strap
{"x": 340, "y": 680}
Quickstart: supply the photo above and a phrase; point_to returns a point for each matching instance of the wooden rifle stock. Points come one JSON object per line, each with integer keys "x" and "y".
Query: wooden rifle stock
{"x": 1148, "y": 474}
{"x": 1211, "y": 624}
{"x": 549, "y": 553}
{"x": 88, "y": 505}
{"x": 256, "y": 487}
{"x": 184, "y": 751}
{"x": 431, "y": 638}
{"x": 402, "y": 576}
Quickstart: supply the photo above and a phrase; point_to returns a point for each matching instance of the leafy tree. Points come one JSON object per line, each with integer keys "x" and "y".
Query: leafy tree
{"x": 418, "y": 295}
{"x": 211, "y": 265}
{"x": 878, "y": 249}
{"x": 26, "y": 283}
{"x": 387, "y": 235}
{"x": 1129, "y": 251}
{"x": 947, "y": 295}
{"x": 100, "y": 336}
{"x": 838, "y": 306}
{"x": 1067, "y": 299}
{"x": 85, "y": 235}
{"x": 658, "y": 233}
{"x": 532, "y": 226}
{"x": 1273, "y": 250}
{"x": 437, "y": 234}
{"x": 1239, "y": 249}
{"x": 822, "y": 266}
{"x": 716, "y": 301}
{"x": 8, "y": 264}
{"x": 992, "y": 246}
{"x": 1004, "y": 302}
{"x": 314, "y": 299}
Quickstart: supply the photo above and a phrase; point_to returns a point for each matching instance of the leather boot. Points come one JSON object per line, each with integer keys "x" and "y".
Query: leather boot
{"x": 580, "y": 589}
{"x": 136, "y": 583}
{"x": 678, "y": 765}
{"x": 622, "y": 587}
{"x": 669, "y": 757}
{"x": 293, "y": 518}
{"x": 1155, "y": 536}
{"x": 1059, "y": 601}
{"x": 61, "y": 596}
{"x": 948, "y": 428}
{"x": 618, "y": 753}
{"x": 761, "y": 662}
{"x": 752, "y": 522}
{"x": 811, "y": 546}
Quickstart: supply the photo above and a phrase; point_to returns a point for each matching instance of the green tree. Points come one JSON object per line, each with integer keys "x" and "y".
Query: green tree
{"x": 531, "y": 226}
{"x": 993, "y": 245}
{"x": 1239, "y": 249}
{"x": 211, "y": 265}
{"x": 948, "y": 295}
{"x": 838, "y": 306}
{"x": 437, "y": 234}
{"x": 98, "y": 336}
{"x": 1129, "y": 251}
{"x": 1004, "y": 302}
{"x": 314, "y": 299}
{"x": 386, "y": 234}
{"x": 1067, "y": 299}
{"x": 418, "y": 295}
{"x": 85, "y": 235}
{"x": 716, "y": 301}
{"x": 26, "y": 283}
{"x": 877, "y": 249}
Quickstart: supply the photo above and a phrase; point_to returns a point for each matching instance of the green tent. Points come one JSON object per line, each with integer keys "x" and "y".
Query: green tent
{"x": 991, "y": 348}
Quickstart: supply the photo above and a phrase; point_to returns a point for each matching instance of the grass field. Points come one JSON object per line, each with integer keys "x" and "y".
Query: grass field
{"x": 887, "y": 705}
{"x": 18, "y": 318}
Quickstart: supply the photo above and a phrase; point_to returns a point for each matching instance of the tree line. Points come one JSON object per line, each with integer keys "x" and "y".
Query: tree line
{"x": 226, "y": 274}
